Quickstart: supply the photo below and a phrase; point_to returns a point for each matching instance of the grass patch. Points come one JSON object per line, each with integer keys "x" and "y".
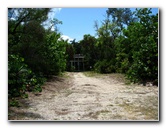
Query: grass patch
{"x": 119, "y": 77}
{"x": 149, "y": 112}
{"x": 15, "y": 114}
{"x": 116, "y": 76}
{"x": 14, "y": 103}
{"x": 127, "y": 82}
{"x": 91, "y": 74}
{"x": 64, "y": 75}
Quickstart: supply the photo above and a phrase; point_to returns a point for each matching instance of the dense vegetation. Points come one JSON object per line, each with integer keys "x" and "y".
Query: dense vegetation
{"x": 34, "y": 52}
{"x": 126, "y": 42}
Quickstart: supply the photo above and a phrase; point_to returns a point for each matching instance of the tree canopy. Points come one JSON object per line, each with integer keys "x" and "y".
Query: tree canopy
{"x": 34, "y": 51}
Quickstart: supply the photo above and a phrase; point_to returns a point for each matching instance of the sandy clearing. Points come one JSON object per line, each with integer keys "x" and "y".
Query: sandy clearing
{"x": 89, "y": 99}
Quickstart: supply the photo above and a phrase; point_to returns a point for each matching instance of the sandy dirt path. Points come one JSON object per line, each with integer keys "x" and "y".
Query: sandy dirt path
{"x": 83, "y": 98}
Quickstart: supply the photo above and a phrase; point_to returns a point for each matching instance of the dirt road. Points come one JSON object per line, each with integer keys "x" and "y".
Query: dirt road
{"x": 78, "y": 97}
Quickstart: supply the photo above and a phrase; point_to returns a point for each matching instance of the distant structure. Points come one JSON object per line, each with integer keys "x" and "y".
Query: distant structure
{"x": 78, "y": 62}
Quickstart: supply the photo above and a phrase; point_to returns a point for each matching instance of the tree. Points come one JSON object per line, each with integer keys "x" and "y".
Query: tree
{"x": 69, "y": 55}
{"x": 21, "y": 16}
{"x": 107, "y": 34}
{"x": 121, "y": 16}
{"x": 54, "y": 54}
{"x": 23, "y": 25}
{"x": 143, "y": 37}
{"x": 128, "y": 43}
{"x": 34, "y": 52}
{"x": 88, "y": 49}
{"x": 77, "y": 46}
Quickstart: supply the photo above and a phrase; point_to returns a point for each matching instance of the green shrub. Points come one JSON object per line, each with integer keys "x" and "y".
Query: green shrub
{"x": 14, "y": 103}
{"x": 104, "y": 67}
{"x": 18, "y": 74}
{"x": 21, "y": 78}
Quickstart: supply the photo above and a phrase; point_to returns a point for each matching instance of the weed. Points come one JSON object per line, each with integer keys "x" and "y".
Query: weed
{"x": 14, "y": 103}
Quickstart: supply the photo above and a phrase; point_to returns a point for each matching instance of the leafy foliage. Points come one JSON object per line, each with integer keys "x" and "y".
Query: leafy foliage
{"x": 143, "y": 40}
{"x": 34, "y": 52}
{"x": 21, "y": 78}
{"x": 14, "y": 103}
{"x": 88, "y": 49}
{"x": 54, "y": 54}
{"x": 127, "y": 43}
{"x": 18, "y": 74}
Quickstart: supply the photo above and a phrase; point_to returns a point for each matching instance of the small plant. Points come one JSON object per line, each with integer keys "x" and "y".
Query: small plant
{"x": 14, "y": 103}
{"x": 25, "y": 95}
{"x": 37, "y": 88}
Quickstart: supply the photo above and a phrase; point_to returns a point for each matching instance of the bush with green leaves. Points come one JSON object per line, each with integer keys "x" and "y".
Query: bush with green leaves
{"x": 133, "y": 51}
{"x": 104, "y": 67}
{"x": 54, "y": 54}
{"x": 14, "y": 103}
{"x": 21, "y": 78}
{"x": 17, "y": 75}
{"x": 34, "y": 51}
{"x": 143, "y": 39}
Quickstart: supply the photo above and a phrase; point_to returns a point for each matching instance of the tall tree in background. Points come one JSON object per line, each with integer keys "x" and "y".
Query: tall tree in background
{"x": 111, "y": 29}
{"x": 121, "y": 16}
{"x": 69, "y": 54}
{"x": 88, "y": 49}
